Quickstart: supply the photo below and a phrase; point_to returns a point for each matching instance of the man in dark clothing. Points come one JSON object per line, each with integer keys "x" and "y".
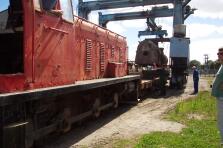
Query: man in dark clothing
{"x": 195, "y": 79}
{"x": 163, "y": 75}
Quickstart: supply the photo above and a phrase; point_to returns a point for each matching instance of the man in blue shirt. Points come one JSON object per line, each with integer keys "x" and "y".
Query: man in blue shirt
{"x": 195, "y": 79}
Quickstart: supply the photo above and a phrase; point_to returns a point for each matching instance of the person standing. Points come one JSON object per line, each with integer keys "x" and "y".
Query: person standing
{"x": 195, "y": 79}
{"x": 217, "y": 91}
{"x": 163, "y": 75}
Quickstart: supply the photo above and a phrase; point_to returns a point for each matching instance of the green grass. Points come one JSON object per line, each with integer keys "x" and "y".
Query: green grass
{"x": 203, "y": 104}
{"x": 209, "y": 79}
{"x": 199, "y": 116}
{"x": 124, "y": 143}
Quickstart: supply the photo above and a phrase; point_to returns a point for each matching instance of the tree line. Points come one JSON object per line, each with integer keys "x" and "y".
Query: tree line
{"x": 209, "y": 67}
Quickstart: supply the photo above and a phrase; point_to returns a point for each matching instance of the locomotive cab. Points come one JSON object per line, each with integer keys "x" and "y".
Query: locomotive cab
{"x": 11, "y": 37}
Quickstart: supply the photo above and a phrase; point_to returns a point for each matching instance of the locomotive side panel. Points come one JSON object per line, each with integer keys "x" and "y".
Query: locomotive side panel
{"x": 117, "y": 63}
{"x": 53, "y": 51}
{"x": 88, "y": 51}
{"x": 22, "y": 78}
{"x": 98, "y": 48}
{"x": 58, "y": 52}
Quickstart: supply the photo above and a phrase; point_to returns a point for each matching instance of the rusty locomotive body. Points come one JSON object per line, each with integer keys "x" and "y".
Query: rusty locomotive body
{"x": 56, "y": 69}
{"x": 148, "y": 53}
{"x": 52, "y": 49}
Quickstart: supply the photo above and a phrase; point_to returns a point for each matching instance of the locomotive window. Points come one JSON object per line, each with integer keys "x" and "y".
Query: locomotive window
{"x": 11, "y": 36}
{"x": 37, "y": 4}
{"x": 49, "y": 5}
{"x": 52, "y": 6}
{"x": 66, "y": 7}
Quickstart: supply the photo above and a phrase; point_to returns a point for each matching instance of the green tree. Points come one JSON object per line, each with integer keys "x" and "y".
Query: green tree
{"x": 217, "y": 64}
{"x": 194, "y": 63}
{"x": 211, "y": 64}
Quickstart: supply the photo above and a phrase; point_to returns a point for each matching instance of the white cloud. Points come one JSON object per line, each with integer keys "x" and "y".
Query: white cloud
{"x": 206, "y": 15}
{"x": 124, "y": 10}
{"x": 116, "y": 27}
{"x": 93, "y": 17}
{"x": 167, "y": 27}
{"x": 197, "y": 30}
{"x": 134, "y": 24}
{"x": 208, "y": 46}
{"x": 208, "y": 9}
{"x": 133, "y": 9}
{"x": 208, "y": 6}
{"x": 132, "y": 51}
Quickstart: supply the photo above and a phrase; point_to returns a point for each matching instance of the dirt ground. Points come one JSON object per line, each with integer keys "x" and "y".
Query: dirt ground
{"x": 128, "y": 121}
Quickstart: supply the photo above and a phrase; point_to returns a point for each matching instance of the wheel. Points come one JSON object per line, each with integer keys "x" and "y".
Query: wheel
{"x": 66, "y": 123}
{"x": 96, "y": 108}
{"x": 136, "y": 93}
{"x": 116, "y": 100}
{"x": 29, "y": 134}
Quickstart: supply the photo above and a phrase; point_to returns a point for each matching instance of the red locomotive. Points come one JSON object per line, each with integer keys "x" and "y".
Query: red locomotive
{"x": 56, "y": 69}
{"x": 54, "y": 48}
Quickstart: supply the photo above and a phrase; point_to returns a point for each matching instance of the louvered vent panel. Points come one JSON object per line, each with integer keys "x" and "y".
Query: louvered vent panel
{"x": 112, "y": 52}
{"x": 88, "y": 55}
{"x": 102, "y": 57}
{"x": 120, "y": 55}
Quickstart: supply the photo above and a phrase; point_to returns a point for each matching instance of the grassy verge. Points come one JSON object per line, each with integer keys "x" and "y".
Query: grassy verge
{"x": 199, "y": 116}
{"x": 209, "y": 79}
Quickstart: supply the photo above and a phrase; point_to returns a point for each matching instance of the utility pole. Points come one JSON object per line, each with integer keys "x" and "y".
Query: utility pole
{"x": 206, "y": 67}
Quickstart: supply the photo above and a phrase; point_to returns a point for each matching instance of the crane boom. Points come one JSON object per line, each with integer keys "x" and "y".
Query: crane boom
{"x": 154, "y": 13}
{"x": 86, "y": 7}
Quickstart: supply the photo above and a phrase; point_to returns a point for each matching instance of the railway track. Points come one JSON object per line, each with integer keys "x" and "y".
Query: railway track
{"x": 127, "y": 121}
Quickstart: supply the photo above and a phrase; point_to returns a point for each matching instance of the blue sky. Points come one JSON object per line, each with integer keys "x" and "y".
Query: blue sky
{"x": 205, "y": 28}
{"x": 4, "y": 4}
